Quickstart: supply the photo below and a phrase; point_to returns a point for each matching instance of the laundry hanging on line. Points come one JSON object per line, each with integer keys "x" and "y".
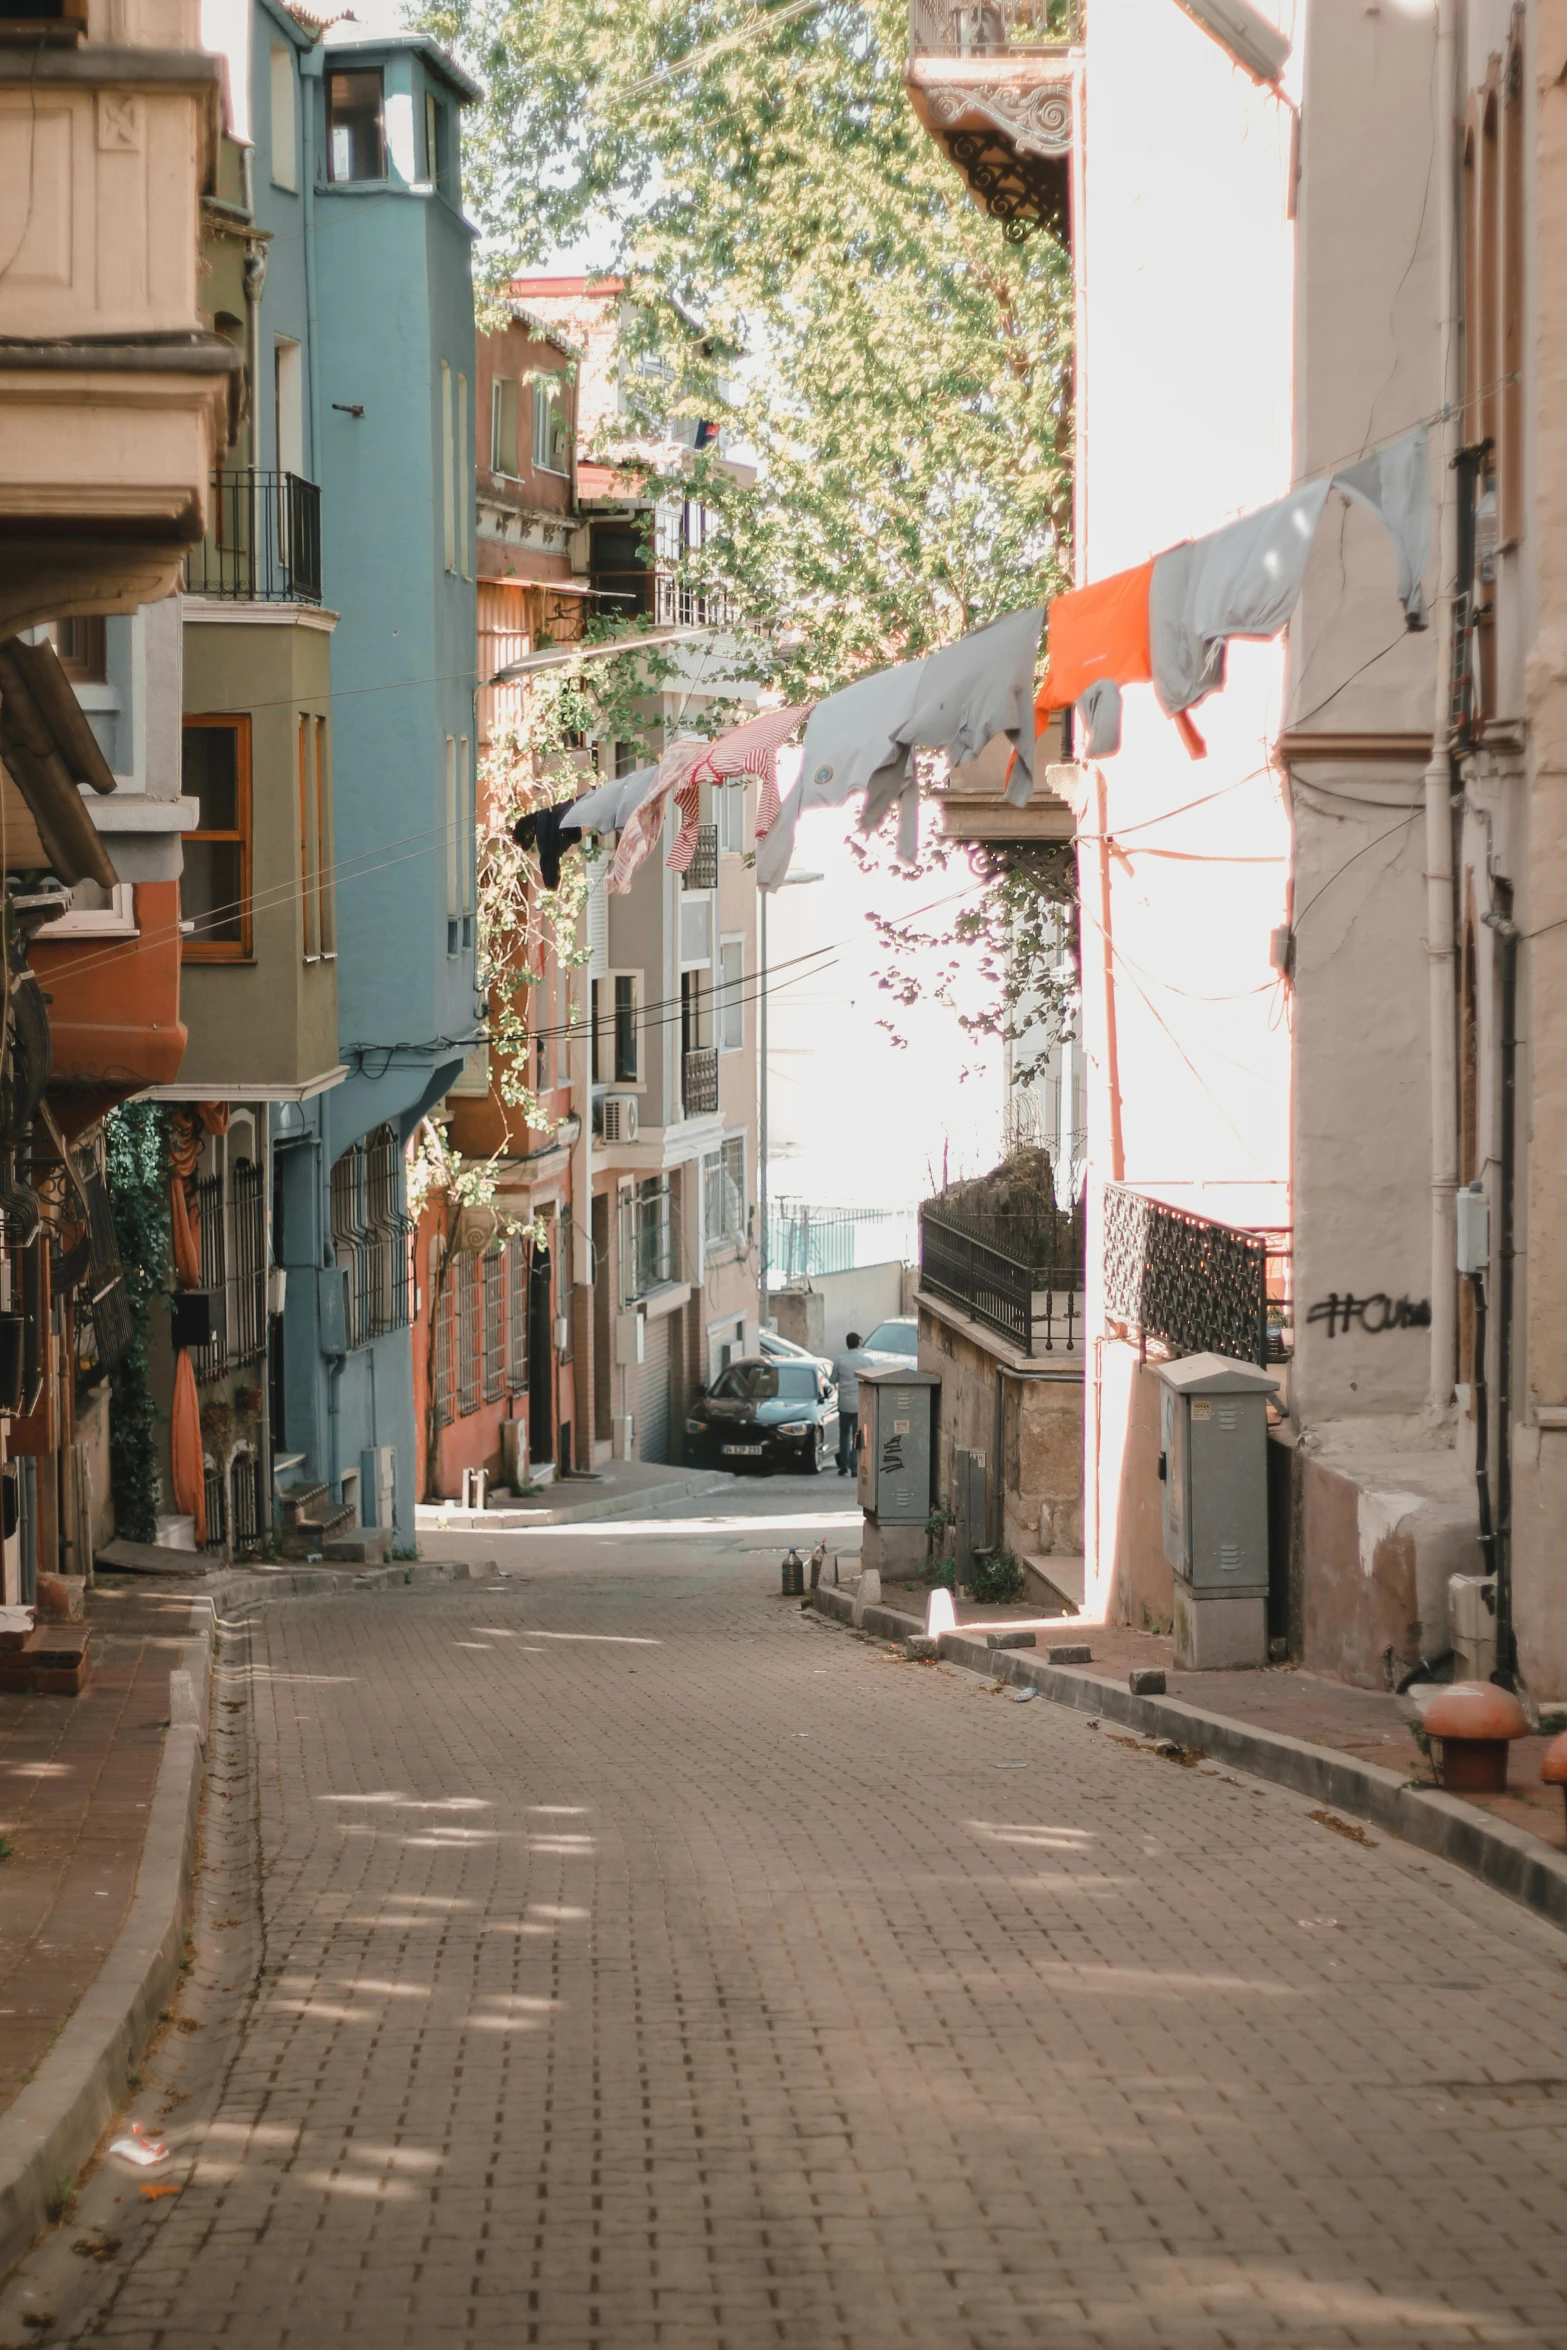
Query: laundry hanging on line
{"x": 1168, "y": 622}
{"x": 863, "y": 738}
{"x": 749, "y": 749}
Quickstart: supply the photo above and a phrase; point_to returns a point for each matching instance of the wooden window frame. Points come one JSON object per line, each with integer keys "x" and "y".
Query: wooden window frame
{"x": 242, "y": 949}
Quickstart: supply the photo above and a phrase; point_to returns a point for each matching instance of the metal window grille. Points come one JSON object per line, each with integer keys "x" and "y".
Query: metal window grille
{"x": 647, "y": 1238}
{"x": 702, "y": 872}
{"x": 467, "y": 1333}
{"x": 517, "y": 1255}
{"x": 370, "y": 1237}
{"x": 441, "y": 1306}
{"x": 246, "y": 1319}
{"x": 1198, "y": 1286}
{"x": 211, "y": 1361}
{"x": 723, "y": 1194}
{"x": 699, "y": 1081}
{"x": 494, "y": 1271}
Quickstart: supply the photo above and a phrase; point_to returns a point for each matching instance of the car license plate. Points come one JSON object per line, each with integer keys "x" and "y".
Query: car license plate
{"x": 752, "y": 1451}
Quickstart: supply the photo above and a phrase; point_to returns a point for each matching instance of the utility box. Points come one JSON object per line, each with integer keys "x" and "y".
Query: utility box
{"x": 1213, "y": 1434}
{"x": 897, "y": 1467}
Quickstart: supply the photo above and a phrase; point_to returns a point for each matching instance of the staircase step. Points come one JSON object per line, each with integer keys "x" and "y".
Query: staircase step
{"x": 300, "y": 1501}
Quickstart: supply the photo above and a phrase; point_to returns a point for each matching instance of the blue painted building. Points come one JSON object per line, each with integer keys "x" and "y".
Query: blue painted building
{"x": 341, "y": 1003}
{"x": 392, "y": 387}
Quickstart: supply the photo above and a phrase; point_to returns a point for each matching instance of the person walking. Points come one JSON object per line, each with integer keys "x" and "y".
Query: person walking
{"x": 846, "y": 1375}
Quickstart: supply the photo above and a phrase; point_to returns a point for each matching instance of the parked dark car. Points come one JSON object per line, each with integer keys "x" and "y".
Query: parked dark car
{"x": 771, "y": 1415}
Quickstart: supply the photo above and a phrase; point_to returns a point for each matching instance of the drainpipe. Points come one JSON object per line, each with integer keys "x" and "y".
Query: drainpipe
{"x": 310, "y": 72}
{"x": 1502, "y": 1548}
{"x": 1439, "y": 774}
{"x": 585, "y": 1430}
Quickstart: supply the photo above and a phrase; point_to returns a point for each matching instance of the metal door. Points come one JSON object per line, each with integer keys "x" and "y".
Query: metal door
{"x": 653, "y": 1393}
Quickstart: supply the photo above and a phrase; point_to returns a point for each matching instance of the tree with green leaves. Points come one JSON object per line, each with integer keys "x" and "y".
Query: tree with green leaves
{"x": 806, "y": 270}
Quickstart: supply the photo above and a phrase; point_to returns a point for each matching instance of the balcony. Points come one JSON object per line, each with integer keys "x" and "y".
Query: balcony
{"x": 997, "y": 83}
{"x": 974, "y": 804}
{"x": 1022, "y": 1280}
{"x": 1196, "y": 1286}
{"x": 702, "y": 872}
{"x": 264, "y": 546}
{"x": 115, "y": 403}
{"x": 699, "y": 1082}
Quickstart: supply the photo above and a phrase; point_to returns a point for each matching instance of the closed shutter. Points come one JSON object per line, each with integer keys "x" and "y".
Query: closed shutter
{"x": 653, "y": 1393}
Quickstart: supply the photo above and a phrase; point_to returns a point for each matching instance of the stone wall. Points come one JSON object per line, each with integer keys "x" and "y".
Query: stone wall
{"x": 1030, "y": 1412}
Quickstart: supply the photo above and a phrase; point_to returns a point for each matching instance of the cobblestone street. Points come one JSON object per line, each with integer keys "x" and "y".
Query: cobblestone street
{"x": 642, "y": 1961}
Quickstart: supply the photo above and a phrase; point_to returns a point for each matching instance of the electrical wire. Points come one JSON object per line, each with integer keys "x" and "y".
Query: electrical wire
{"x": 1364, "y": 850}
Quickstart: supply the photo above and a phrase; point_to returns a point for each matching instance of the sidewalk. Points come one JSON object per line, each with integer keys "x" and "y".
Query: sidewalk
{"x": 1372, "y": 1725}
{"x": 76, "y": 1785}
{"x": 620, "y": 1489}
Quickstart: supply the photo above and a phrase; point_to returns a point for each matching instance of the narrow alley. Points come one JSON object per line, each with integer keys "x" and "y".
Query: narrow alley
{"x": 642, "y": 1960}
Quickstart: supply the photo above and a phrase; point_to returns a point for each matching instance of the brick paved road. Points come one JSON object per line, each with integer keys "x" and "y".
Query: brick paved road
{"x": 644, "y": 1963}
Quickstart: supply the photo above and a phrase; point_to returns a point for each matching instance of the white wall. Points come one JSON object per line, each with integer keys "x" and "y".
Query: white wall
{"x": 1185, "y": 259}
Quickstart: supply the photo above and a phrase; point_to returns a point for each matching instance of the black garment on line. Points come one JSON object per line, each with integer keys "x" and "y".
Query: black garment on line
{"x": 551, "y": 832}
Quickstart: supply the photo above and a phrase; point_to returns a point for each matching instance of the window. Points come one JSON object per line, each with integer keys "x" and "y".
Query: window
{"x": 723, "y": 1195}
{"x": 326, "y": 878}
{"x": 466, "y": 826}
{"x": 98, "y": 912}
{"x": 517, "y": 1314}
{"x": 731, "y": 995}
{"x": 448, "y": 470}
{"x": 647, "y": 1237}
{"x": 503, "y": 427}
{"x": 83, "y": 648}
{"x": 356, "y": 136}
{"x": 551, "y": 450}
{"x": 453, "y": 828}
{"x": 215, "y": 885}
{"x": 464, "y": 485}
{"x": 434, "y": 140}
{"x": 467, "y": 1333}
{"x": 289, "y": 387}
{"x": 309, "y": 856}
{"x": 441, "y": 1308}
{"x": 627, "y": 759}
{"x": 624, "y": 1059}
{"x": 285, "y": 169}
{"x": 494, "y": 1324}
{"x": 729, "y": 813}
{"x": 317, "y": 897}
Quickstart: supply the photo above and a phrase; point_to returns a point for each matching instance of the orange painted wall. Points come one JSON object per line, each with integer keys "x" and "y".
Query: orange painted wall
{"x": 115, "y": 1011}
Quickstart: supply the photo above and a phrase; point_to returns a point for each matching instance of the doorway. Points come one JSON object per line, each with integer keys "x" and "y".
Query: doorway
{"x": 541, "y": 1379}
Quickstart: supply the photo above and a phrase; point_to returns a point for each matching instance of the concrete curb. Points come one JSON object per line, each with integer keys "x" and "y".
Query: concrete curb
{"x": 1504, "y": 1857}
{"x": 56, "y": 2123}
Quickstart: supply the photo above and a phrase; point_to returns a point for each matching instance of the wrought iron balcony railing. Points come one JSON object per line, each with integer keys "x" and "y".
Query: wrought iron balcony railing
{"x": 265, "y": 542}
{"x": 997, "y": 85}
{"x": 1029, "y": 1292}
{"x": 699, "y": 1081}
{"x": 1200, "y": 1287}
{"x": 702, "y": 872}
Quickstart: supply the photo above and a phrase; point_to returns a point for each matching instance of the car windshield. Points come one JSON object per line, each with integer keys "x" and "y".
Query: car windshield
{"x": 766, "y": 1383}
{"x": 894, "y": 1338}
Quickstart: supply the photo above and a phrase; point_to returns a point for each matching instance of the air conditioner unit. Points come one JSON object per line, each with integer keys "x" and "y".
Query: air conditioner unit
{"x": 616, "y": 1117}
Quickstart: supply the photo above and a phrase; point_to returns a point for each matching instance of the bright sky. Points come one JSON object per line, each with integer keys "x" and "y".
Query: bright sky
{"x": 854, "y": 1121}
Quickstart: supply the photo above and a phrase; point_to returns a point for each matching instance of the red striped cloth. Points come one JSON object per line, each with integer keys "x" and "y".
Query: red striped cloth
{"x": 751, "y": 749}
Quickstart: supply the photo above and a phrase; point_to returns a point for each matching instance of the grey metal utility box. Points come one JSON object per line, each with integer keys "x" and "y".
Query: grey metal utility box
{"x": 897, "y": 1445}
{"x": 1213, "y": 1435}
